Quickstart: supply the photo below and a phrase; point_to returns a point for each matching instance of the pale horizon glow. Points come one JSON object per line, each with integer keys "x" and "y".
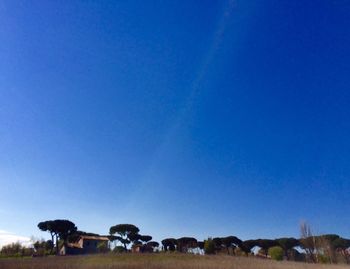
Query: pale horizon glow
{"x": 7, "y": 237}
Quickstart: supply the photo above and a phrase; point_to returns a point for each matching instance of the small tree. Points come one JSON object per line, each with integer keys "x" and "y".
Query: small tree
{"x": 276, "y": 253}
{"x": 43, "y": 247}
{"x": 209, "y": 246}
{"x": 102, "y": 247}
{"x": 308, "y": 242}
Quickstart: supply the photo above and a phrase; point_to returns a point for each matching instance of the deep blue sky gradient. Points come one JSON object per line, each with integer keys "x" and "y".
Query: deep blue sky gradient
{"x": 195, "y": 118}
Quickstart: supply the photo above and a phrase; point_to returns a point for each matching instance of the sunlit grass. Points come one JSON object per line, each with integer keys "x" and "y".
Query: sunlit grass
{"x": 157, "y": 261}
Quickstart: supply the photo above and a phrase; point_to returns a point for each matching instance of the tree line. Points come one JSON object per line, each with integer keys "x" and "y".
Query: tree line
{"x": 327, "y": 248}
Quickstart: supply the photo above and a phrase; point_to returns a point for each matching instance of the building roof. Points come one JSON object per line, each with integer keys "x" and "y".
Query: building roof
{"x": 99, "y": 238}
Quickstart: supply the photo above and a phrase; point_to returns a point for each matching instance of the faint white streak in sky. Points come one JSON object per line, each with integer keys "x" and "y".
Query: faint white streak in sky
{"x": 8, "y": 238}
{"x": 185, "y": 110}
{"x": 195, "y": 86}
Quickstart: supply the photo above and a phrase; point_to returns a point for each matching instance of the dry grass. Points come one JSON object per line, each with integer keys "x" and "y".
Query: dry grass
{"x": 155, "y": 261}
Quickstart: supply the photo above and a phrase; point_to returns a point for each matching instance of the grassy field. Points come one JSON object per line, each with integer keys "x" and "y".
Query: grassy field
{"x": 156, "y": 261}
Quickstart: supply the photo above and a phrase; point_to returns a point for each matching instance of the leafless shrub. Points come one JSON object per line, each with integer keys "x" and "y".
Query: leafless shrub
{"x": 308, "y": 242}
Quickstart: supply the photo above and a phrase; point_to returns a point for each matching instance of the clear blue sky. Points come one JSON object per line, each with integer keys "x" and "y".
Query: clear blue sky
{"x": 196, "y": 118}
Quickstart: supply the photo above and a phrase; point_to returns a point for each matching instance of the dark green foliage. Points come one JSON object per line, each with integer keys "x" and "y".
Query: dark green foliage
{"x": 330, "y": 237}
{"x": 184, "y": 243}
{"x": 153, "y": 244}
{"x": 326, "y": 248}
{"x": 150, "y": 246}
{"x": 112, "y": 238}
{"x": 137, "y": 242}
{"x": 102, "y": 247}
{"x": 119, "y": 249}
{"x": 126, "y": 233}
{"x": 276, "y": 253}
{"x": 124, "y": 229}
{"x": 64, "y": 229}
{"x": 60, "y": 229}
{"x": 341, "y": 245}
{"x": 49, "y": 226}
{"x": 309, "y": 246}
{"x": 248, "y": 245}
{"x": 287, "y": 244}
{"x": 134, "y": 237}
{"x": 265, "y": 244}
{"x": 141, "y": 240}
{"x": 145, "y": 238}
{"x": 76, "y": 235}
{"x": 169, "y": 244}
{"x": 43, "y": 247}
{"x": 200, "y": 244}
{"x": 46, "y": 245}
{"x": 324, "y": 259}
{"x": 15, "y": 250}
{"x": 209, "y": 246}
{"x": 230, "y": 242}
{"x": 218, "y": 243}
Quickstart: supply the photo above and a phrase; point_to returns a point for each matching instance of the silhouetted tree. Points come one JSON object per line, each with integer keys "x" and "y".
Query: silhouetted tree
{"x": 200, "y": 244}
{"x": 145, "y": 238}
{"x": 141, "y": 240}
{"x": 135, "y": 238}
{"x": 65, "y": 228}
{"x": 151, "y": 245}
{"x": 248, "y": 245}
{"x": 169, "y": 244}
{"x": 41, "y": 247}
{"x": 218, "y": 243}
{"x": 231, "y": 242}
{"x": 184, "y": 243}
{"x": 49, "y": 226}
{"x": 265, "y": 244}
{"x": 287, "y": 244}
{"x": 59, "y": 228}
{"x": 124, "y": 231}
